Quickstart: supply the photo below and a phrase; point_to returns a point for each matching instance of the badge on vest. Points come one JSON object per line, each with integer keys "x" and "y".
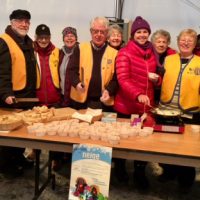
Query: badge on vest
{"x": 195, "y": 71}
{"x": 109, "y": 61}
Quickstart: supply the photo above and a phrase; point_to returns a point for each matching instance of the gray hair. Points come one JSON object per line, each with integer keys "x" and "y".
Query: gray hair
{"x": 190, "y": 32}
{"x": 114, "y": 27}
{"x": 102, "y": 20}
{"x": 160, "y": 33}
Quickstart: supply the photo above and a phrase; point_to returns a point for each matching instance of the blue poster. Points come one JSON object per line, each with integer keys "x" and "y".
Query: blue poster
{"x": 90, "y": 172}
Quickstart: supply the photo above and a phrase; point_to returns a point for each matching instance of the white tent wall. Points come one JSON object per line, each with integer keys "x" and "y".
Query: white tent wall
{"x": 172, "y": 15}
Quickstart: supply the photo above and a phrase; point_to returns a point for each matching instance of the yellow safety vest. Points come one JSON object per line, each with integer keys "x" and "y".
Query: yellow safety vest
{"x": 86, "y": 62}
{"x": 17, "y": 59}
{"x": 53, "y": 64}
{"x": 189, "y": 98}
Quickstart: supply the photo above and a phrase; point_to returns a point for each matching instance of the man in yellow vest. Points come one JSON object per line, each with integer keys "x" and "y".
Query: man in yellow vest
{"x": 92, "y": 70}
{"x": 18, "y": 76}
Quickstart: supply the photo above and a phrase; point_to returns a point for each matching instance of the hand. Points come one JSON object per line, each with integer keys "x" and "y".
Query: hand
{"x": 144, "y": 99}
{"x": 80, "y": 88}
{"x": 9, "y": 100}
{"x": 153, "y": 77}
{"x": 105, "y": 96}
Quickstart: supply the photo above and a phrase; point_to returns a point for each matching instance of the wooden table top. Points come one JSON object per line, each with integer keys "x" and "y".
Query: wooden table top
{"x": 186, "y": 144}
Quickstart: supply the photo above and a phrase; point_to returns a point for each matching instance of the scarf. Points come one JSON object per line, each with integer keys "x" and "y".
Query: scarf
{"x": 63, "y": 66}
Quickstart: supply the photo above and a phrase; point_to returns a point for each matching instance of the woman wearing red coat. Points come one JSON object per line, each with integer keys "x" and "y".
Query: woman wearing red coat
{"x": 134, "y": 62}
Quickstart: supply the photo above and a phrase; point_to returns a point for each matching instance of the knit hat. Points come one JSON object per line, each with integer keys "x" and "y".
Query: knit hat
{"x": 68, "y": 30}
{"x": 20, "y": 14}
{"x": 42, "y": 29}
{"x": 140, "y": 23}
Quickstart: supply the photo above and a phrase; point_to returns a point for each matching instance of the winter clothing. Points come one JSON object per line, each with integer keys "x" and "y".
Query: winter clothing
{"x": 161, "y": 57}
{"x": 17, "y": 78}
{"x": 42, "y": 29}
{"x": 140, "y": 23}
{"x": 18, "y": 74}
{"x": 189, "y": 97}
{"x": 48, "y": 60}
{"x": 15, "y": 51}
{"x": 65, "y": 54}
{"x": 160, "y": 69}
{"x": 132, "y": 67}
{"x": 20, "y": 14}
{"x": 69, "y": 30}
{"x": 86, "y": 61}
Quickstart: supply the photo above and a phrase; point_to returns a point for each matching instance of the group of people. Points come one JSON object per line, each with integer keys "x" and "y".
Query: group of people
{"x": 103, "y": 73}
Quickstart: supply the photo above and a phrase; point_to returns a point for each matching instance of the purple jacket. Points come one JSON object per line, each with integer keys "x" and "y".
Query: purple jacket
{"x": 132, "y": 67}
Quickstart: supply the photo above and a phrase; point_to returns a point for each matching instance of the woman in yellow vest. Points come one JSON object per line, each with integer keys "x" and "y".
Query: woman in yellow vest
{"x": 47, "y": 56}
{"x": 48, "y": 61}
{"x": 181, "y": 91}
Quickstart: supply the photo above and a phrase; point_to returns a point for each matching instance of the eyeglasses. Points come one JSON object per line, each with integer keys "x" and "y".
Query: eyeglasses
{"x": 186, "y": 41}
{"x": 21, "y": 21}
{"x": 96, "y": 31}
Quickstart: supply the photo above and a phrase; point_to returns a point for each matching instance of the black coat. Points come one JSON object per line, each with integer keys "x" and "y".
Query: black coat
{"x": 26, "y": 45}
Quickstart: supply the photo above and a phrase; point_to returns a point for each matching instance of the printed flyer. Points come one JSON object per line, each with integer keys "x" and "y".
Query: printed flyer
{"x": 90, "y": 172}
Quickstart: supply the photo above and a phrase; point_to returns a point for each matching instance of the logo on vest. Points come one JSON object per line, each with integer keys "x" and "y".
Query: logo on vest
{"x": 109, "y": 61}
{"x": 197, "y": 71}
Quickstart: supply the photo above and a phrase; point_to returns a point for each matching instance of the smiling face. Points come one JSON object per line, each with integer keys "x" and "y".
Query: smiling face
{"x": 69, "y": 40}
{"x": 20, "y": 26}
{"x": 115, "y": 38}
{"x": 160, "y": 44}
{"x": 186, "y": 44}
{"x": 141, "y": 36}
{"x": 43, "y": 40}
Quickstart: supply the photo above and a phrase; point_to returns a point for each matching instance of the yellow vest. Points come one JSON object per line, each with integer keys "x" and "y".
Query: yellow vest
{"x": 17, "y": 59}
{"x": 53, "y": 64}
{"x": 86, "y": 62}
{"x": 189, "y": 98}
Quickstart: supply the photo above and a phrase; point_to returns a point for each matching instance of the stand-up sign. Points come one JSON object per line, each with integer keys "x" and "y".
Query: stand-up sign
{"x": 90, "y": 172}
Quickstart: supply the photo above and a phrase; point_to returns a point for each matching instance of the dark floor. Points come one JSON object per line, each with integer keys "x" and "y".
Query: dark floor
{"x": 22, "y": 188}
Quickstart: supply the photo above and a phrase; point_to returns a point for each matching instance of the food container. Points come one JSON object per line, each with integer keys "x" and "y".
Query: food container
{"x": 10, "y": 122}
{"x": 84, "y": 134}
{"x": 146, "y": 131}
{"x": 113, "y": 139}
{"x": 94, "y": 136}
{"x": 40, "y": 132}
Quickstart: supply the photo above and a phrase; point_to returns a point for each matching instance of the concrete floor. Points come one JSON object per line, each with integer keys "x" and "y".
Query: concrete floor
{"x": 22, "y": 188}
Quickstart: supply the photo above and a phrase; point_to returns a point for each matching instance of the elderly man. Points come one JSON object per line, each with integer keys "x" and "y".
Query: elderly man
{"x": 92, "y": 70}
{"x": 18, "y": 75}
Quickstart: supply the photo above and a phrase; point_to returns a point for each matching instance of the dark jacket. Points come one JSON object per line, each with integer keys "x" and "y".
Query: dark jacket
{"x": 65, "y": 101}
{"x": 26, "y": 46}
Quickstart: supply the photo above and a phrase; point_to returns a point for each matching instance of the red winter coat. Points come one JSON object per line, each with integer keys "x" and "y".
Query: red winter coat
{"x": 132, "y": 67}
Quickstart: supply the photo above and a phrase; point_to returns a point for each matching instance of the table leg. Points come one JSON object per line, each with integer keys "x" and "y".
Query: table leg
{"x": 38, "y": 171}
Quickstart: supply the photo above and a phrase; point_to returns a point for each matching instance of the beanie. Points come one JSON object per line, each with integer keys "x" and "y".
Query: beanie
{"x": 42, "y": 29}
{"x": 20, "y": 14}
{"x": 140, "y": 23}
{"x": 68, "y": 30}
